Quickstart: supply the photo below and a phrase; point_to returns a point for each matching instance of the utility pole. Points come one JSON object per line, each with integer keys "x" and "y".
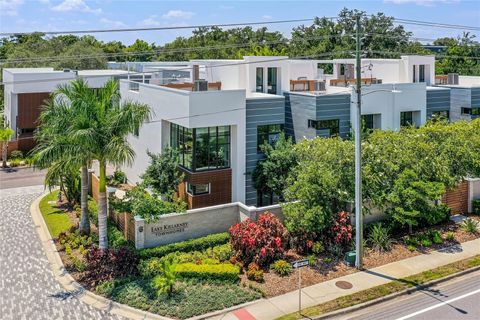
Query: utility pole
{"x": 358, "y": 155}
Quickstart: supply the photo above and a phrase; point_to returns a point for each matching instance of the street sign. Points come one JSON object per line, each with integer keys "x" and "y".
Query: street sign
{"x": 300, "y": 263}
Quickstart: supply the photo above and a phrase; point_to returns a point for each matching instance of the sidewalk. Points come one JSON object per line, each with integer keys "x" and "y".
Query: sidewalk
{"x": 267, "y": 309}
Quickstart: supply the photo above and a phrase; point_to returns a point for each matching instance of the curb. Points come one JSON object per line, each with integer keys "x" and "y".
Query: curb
{"x": 394, "y": 295}
{"x": 73, "y": 287}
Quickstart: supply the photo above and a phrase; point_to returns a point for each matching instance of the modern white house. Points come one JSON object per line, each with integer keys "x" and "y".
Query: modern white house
{"x": 219, "y": 117}
{"x": 26, "y": 89}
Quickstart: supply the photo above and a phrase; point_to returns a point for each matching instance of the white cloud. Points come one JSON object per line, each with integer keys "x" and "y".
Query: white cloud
{"x": 266, "y": 17}
{"x": 75, "y": 5}
{"x": 178, "y": 14}
{"x": 424, "y": 3}
{"x": 113, "y": 23}
{"x": 150, "y": 22}
{"x": 9, "y": 7}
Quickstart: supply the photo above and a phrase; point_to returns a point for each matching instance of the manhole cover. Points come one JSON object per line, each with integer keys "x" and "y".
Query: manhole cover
{"x": 344, "y": 285}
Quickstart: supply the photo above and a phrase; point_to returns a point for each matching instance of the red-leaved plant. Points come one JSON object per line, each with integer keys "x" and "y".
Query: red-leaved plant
{"x": 261, "y": 242}
{"x": 342, "y": 229}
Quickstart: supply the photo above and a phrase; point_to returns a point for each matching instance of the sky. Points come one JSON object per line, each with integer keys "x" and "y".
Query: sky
{"x": 57, "y": 15}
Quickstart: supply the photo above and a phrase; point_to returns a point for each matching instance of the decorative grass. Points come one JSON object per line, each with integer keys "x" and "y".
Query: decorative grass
{"x": 56, "y": 219}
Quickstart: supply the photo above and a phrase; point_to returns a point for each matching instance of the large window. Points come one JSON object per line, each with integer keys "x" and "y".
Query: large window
{"x": 421, "y": 73}
{"x": 332, "y": 125}
{"x": 259, "y": 80}
{"x": 198, "y": 189}
{"x": 268, "y": 134}
{"x": 414, "y": 74}
{"x": 466, "y": 111}
{"x": 202, "y": 148}
{"x": 272, "y": 80}
{"x": 367, "y": 122}
{"x": 406, "y": 119}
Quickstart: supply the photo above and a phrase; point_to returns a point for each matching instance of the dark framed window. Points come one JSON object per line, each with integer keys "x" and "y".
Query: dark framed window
{"x": 333, "y": 125}
{"x": 475, "y": 111}
{"x": 421, "y": 73}
{"x": 198, "y": 189}
{"x": 414, "y": 74}
{"x": 264, "y": 199}
{"x": 259, "y": 80}
{"x": 406, "y": 119}
{"x": 202, "y": 148}
{"x": 367, "y": 122}
{"x": 272, "y": 80}
{"x": 268, "y": 134}
{"x": 467, "y": 111}
{"x": 441, "y": 115}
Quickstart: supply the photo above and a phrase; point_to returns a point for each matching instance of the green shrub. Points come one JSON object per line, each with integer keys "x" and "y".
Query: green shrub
{"x": 254, "y": 272}
{"x": 150, "y": 267}
{"x": 469, "y": 225}
{"x": 411, "y": 241}
{"x": 115, "y": 237}
{"x": 224, "y": 271}
{"x": 16, "y": 154}
{"x": 379, "y": 238}
{"x": 222, "y": 252}
{"x": 435, "y": 236}
{"x": 317, "y": 247}
{"x": 282, "y": 267}
{"x": 450, "y": 236}
{"x": 411, "y": 248}
{"x": 14, "y": 163}
{"x": 186, "y": 246}
{"x": 165, "y": 283}
{"x": 312, "y": 260}
{"x": 92, "y": 211}
{"x": 426, "y": 243}
{"x": 105, "y": 288}
{"x": 476, "y": 206}
{"x": 327, "y": 260}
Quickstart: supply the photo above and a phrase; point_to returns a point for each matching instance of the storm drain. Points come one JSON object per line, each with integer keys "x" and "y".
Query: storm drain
{"x": 344, "y": 285}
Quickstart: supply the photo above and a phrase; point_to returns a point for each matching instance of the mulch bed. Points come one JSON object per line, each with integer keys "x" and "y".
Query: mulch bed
{"x": 275, "y": 285}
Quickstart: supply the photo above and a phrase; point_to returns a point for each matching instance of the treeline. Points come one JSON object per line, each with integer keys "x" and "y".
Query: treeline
{"x": 324, "y": 38}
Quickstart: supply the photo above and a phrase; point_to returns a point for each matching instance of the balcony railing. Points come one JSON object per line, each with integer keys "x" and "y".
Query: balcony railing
{"x": 347, "y": 82}
{"x": 188, "y": 86}
{"x": 441, "y": 79}
{"x": 307, "y": 85}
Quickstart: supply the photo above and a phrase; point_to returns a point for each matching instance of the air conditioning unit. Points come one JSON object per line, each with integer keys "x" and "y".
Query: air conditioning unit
{"x": 200, "y": 85}
{"x": 452, "y": 78}
{"x": 376, "y": 81}
{"x": 319, "y": 85}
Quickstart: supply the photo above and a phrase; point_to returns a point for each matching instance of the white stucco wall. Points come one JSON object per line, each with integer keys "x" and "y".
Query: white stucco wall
{"x": 412, "y": 97}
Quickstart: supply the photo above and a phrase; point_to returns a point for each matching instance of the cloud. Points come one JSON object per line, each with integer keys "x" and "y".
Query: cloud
{"x": 150, "y": 22}
{"x": 9, "y": 7}
{"x": 424, "y": 3}
{"x": 266, "y": 17}
{"x": 75, "y": 5}
{"x": 113, "y": 23}
{"x": 178, "y": 14}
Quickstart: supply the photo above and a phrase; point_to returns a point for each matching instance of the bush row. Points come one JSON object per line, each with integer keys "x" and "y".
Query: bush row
{"x": 224, "y": 271}
{"x": 186, "y": 246}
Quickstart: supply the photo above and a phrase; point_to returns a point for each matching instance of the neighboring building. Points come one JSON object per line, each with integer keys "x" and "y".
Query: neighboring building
{"x": 464, "y": 97}
{"x": 26, "y": 89}
{"x": 221, "y": 114}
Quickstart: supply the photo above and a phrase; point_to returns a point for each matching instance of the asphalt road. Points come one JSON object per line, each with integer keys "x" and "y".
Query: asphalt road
{"x": 458, "y": 298}
{"x": 20, "y": 177}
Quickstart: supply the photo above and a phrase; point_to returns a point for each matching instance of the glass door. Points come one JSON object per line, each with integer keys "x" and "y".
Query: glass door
{"x": 272, "y": 80}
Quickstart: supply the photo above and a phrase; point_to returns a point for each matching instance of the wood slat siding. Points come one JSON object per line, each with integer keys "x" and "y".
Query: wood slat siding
{"x": 95, "y": 187}
{"x": 457, "y": 199}
{"x": 29, "y": 108}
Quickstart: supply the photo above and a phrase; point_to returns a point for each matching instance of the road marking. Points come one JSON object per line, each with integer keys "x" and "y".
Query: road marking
{"x": 438, "y": 305}
{"x": 243, "y": 314}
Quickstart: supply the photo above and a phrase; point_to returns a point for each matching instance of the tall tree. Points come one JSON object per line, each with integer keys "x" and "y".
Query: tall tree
{"x": 5, "y": 135}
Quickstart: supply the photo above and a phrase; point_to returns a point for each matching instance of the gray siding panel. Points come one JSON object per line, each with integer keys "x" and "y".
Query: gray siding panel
{"x": 334, "y": 106}
{"x": 437, "y": 100}
{"x": 475, "y": 100}
{"x": 259, "y": 112}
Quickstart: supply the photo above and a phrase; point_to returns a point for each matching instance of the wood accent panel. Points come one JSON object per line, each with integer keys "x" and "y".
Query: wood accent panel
{"x": 220, "y": 188}
{"x": 441, "y": 79}
{"x": 29, "y": 108}
{"x": 345, "y": 82}
{"x": 189, "y": 86}
{"x": 95, "y": 187}
{"x": 457, "y": 198}
{"x": 307, "y": 85}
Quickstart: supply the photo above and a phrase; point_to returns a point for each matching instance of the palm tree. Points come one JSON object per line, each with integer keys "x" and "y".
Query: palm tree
{"x": 65, "y": 139}
{"x": 114, "y": 121}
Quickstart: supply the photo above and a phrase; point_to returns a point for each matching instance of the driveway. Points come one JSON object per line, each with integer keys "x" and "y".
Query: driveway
{"x": 28, "y": 289}
{"x": 20, "y": 177}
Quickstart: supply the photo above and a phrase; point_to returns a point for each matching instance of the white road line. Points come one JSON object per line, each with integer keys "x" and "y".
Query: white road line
{"x": 438, "y": 305}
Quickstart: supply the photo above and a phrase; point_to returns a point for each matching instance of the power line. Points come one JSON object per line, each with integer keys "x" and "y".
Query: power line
{"x": 180, "y": 50}
{"x": 6, "y": 34}
{"x": 436, "y": 24}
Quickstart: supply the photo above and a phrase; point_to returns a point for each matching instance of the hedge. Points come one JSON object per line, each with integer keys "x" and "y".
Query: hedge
{"x": 476, "y": 206}
{"x": 199, "y": 244}
{"x": 224, "y": 271}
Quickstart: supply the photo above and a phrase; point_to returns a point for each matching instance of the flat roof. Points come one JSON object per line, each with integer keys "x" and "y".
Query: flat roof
{"x": 30, "y": 70}
{"x": 102, "y": 72}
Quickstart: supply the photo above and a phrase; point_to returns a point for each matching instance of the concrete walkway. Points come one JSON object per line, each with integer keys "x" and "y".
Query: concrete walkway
{"x": 267, "y": 309}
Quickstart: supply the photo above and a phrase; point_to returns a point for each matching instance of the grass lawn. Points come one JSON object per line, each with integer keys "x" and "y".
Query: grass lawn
{"x": 386, "y": 289}
{"x": 56, "y": 219}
